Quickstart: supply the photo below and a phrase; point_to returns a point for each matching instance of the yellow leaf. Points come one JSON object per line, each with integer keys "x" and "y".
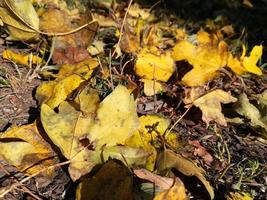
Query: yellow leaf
{"x": 210, "y": 105}
{"x": 152, "y": 87}
{"x": 250, "y": 62}
{"x": 235, "y": 65}
{"x": 85, "y": 139}
{"x": 68, "y": 79}
{"x": 21, "y": 59}
{"x": 152, "y": 66}
{"x": 239, "y": 196}
{"x": 116, "y": 118}
{"x": 150, "y": 140}
{"x": 168, "y": 159}
{"x": 176, "y": 192}
{"x": 25, "y": 148}
{"x": 206, "y": 61}
{"x": 21, "y": 19}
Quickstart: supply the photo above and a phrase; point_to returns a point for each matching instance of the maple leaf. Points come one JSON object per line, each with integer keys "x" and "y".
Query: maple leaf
{"x": 86, "y": 139}
{"x": 154, "y": 65}
{"x": 210, "y": 105}
{"x": 206, "y": 61}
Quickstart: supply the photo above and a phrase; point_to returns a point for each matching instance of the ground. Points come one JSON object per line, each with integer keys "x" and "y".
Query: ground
{"x": 238, "y": 152}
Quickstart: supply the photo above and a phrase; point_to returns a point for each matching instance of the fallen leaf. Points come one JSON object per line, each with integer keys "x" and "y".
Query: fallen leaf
{"x": 164, "y": 183}
{"x": 210, "y": 105}
{"x": 239, "y": 196}
{"x": 168, "y": 159}
{"x": 136, "y": 11}
{"x": 152, "y": 87}
{"x": 248, "y": 110}
{"x": 112, "y": 181}
{"x": 21, "y": 19}
{"x": 206, "y": 61}
{"x": 25, "y": 148}
{"x": 21, "y": 59}
{"x": 149, "y": 139}
{"x": 250, "y": 62}
{"x": 84, "y": 140}
{"x": 176, "y": 192}
{"x": 67, "y": 80}
{"x": 155, "y": 66}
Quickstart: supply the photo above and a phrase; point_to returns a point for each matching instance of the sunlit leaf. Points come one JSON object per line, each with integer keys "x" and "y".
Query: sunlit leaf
{"x": 152, "y": 87}
{"x": 151, "y": 66}
{"x": 21, "y": 59}
{"x": 25, "y": 148}
{"x": 86, "y": 139}
{"x": 168, "y": 159}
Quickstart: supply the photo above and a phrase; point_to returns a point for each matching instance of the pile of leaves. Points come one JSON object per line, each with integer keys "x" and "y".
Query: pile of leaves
{"x": 134, "y": 102}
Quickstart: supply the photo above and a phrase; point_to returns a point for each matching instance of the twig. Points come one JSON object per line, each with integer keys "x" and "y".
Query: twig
{"x": 15, "y": 185}
{"x": 122, "y": 25}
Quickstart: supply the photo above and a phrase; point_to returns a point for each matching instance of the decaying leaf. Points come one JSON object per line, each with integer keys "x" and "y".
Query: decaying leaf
{"x": 67, "y": 80}
{"x": 84, "y": 140}
{"x": 210, "y": 105}
{"x": 21, "y": 19}
{"x": 25, "y": 60}
{"x": 25, "y": 148}
{"x": 248, "y": 110}
{"x": 154, "y": 65}
{"x": 113, "y": 181}
{"x": 152, "y": 87}
{"x": 176, "y": 192}
{"x": 168, "y": 159}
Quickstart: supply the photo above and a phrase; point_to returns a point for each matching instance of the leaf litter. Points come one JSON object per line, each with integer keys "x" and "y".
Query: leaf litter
{"x": 136, "y": 102}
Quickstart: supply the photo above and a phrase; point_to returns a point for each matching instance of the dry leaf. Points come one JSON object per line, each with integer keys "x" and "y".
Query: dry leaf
{"x": 162, "y": 182}
{"x": 25, "y": 148}
{"x": 176, "y": 192}
{"x": 250, "y": 62}
{"x": 168, "y": 159}
{"x": 248, "y": 110}
{"x": 68, "y": 79}
{"x": 210, "y": 105}
{"x": 239, "y": 196}
{"x": 206, "y": 60}
{"x": 21, "y": 19}
{"x": 152, "y": 66}
{"x": 151, "y": 139}
{"x": 84, "y": 140}
{"x": 152, "y": 87}
{"x": 25, "y": 60}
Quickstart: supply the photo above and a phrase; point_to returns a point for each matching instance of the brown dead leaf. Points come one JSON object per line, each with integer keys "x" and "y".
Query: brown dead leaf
{"x": 201, "y": 152}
